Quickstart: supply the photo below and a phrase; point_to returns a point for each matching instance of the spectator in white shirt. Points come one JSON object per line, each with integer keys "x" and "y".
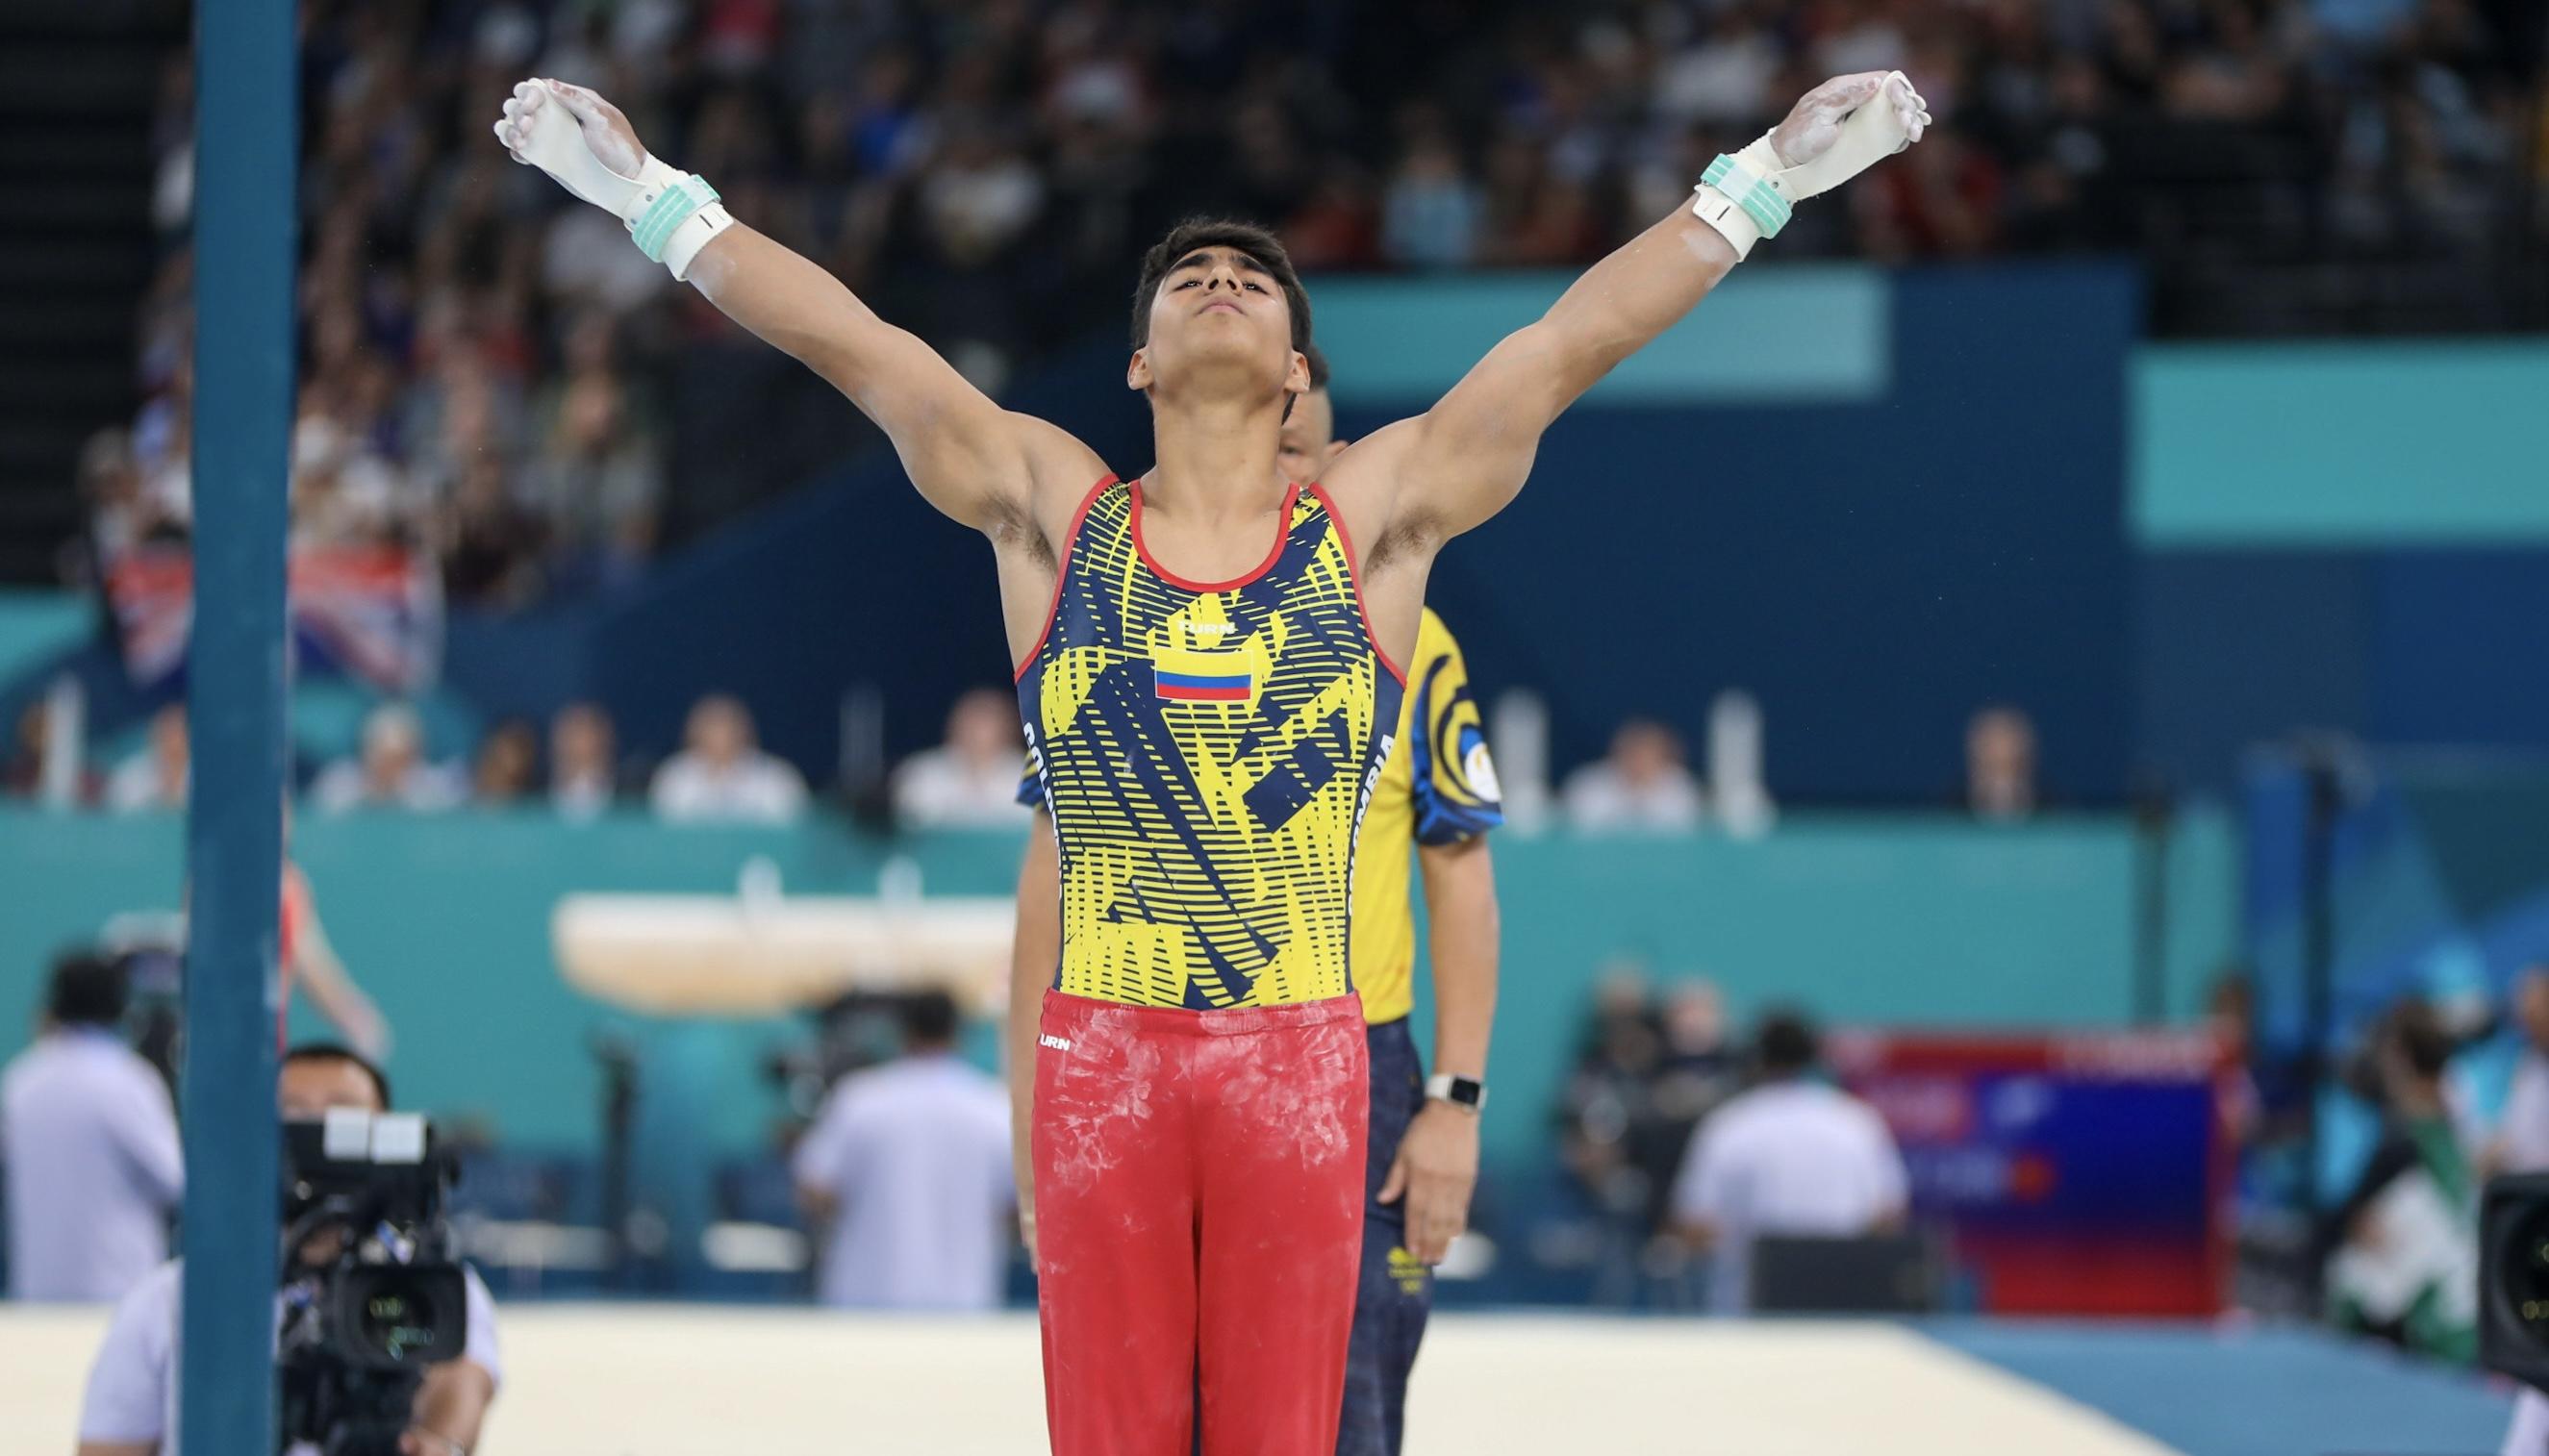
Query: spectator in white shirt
{"x": 130, "y": 1406}
{"x": 393, "y": 773}
{"x": 155, "y": 779}
{"x": 908, "y": 1168}
{"x": 94, "y": 1161}
{"x": 584, "y": 765}
{"x": 722, "y": 776}
{"x": 1643, "y": 785}
{"x": 1793, "y": 1157}
{"x": 971, "y": 782}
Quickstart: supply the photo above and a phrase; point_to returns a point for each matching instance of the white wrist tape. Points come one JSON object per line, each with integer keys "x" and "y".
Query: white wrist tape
{"x": 1751, "y": 195}
{"x": 673, "y": 222}
{"x": 1738, "y": 196}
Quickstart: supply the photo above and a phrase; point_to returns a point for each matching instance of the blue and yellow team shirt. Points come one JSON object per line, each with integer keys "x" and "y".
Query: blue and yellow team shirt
{"x": 1438, "y": 788}
{"x": 1207, "y": 749}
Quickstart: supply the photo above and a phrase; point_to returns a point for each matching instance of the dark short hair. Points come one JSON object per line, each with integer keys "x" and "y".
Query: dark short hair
{"x": 1786, "y": 1043}
{"x": 2418, "y": 1035}
{"x": 339, "y": 1052}
{"x": 929, "y": 1018}
{"x": 86, "y": 990}
{"x": 1245, "y": 238}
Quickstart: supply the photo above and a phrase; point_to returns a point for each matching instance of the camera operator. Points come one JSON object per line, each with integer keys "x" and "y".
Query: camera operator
{"x": 94, "y": 1161}
{"x": 131, "y": 1405}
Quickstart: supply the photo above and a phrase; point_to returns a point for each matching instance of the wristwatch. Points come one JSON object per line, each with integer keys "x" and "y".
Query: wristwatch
{"x": 1467, "y": 1093}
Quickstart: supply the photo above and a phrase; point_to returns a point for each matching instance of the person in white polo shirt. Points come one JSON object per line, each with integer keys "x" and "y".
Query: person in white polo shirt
{"x": 95, "y": 1167}
{"x": 131, "y": 1407}
{"x": 1793, "y": 1157}
{"x": 908, "y": 1168}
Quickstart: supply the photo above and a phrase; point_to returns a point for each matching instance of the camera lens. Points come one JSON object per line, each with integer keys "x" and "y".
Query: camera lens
{"x": 2525, "y": 1273}
{"x": 400, "y": 1321}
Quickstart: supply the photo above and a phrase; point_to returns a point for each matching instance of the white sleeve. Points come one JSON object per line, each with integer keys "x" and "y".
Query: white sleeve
{"x": 127, "y": 1402}
{"x": 995, "y": 1110}
{"x": 822, "y": 1154}
{"x": 481, "y": 1348}
{"x": 1700, "y": 1192}
{"x": 2525, "y": 1128}
{"x": 669, "y": 794}
{"x": 788, "y": 790}
{"x": 145, "y": 1130}
{"x": 2528, "y": 1436}
{"x": 338, "y": 788}
{"x": 134, "y": 785}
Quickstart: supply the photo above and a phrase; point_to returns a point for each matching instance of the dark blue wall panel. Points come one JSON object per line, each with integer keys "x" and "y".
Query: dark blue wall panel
{"x": 2235, "y": 647}
{"x": 2459, "y": 648}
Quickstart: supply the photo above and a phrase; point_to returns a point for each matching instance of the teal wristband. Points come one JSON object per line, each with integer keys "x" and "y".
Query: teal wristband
{"x": 1749, "y": 191}
{"x": 679, "y": 201}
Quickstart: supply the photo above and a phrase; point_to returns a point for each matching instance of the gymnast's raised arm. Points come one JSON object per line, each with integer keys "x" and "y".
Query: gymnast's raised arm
{"x": 984, "y": 466}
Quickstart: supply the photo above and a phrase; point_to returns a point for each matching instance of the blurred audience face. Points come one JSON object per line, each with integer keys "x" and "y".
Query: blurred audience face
{"x": 2231, "y": 1006}
{"x": 1644, "y": 752}
{"x": 589, "y": 418}
{"x": 1695, "y": 1018}
{"x": 169, "y": 743}
{"x": 580, "y": 745}
{"x": 108, "y": 476}
{"x": 1621, "y": 992}
{"x": 2000, "y": 763}
{"x": 393, "y": 742}
{"x": 1308, "y": 441}
{"x": 506, "y": 762}
{"x": 983, "y": 728}
{"x": 31, "y": 733}
{"x": 720, "y": 731}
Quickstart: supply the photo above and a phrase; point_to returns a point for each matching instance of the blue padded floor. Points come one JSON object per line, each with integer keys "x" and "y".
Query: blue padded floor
{"x": 2263, "y": 1392}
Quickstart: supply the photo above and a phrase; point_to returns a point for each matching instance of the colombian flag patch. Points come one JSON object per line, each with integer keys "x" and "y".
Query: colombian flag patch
{"x": 1175, "y": 687}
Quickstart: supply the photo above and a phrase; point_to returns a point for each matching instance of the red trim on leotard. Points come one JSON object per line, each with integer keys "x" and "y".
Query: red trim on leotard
{"x": 1062, "y": 571}
{"x": 1353, "y": 574}
{"x": 1283, "y": 534}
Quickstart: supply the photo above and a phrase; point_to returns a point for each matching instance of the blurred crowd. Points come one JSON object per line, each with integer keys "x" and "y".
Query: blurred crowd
{"x": 970, "y": 780}
{"x": 1645, "y": 782}
{"x": 488, "y": 366}
{"x": 577, "y": 767}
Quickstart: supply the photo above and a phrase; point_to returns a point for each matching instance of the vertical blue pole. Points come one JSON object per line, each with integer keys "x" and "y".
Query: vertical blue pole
{"x": 246, "y": 157}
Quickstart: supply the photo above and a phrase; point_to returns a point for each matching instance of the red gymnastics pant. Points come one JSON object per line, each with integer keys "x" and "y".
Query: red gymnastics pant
{"x": 1199, "y": 1188}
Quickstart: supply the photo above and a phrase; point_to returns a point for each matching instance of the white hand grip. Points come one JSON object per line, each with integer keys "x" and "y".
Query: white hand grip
{"x": 555, "y": 144}
{"x": 1874, "y": 133}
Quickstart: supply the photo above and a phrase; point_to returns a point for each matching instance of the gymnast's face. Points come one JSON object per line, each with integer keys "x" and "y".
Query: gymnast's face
{"x": 1219, "y": 325}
